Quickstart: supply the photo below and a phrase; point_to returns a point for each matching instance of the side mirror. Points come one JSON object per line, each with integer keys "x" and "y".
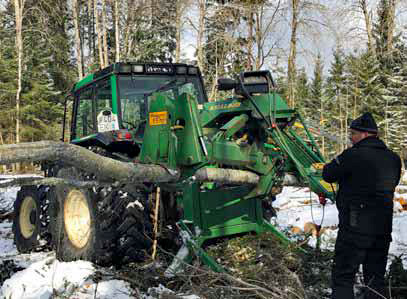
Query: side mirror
{"x": 226, "y": 84}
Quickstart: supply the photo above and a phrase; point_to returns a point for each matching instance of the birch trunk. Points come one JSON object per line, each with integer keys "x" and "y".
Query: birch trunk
{"x": 127, "y": 30}
{"x": 368, "y": 24}
{"x": 178, "y": 25}
{"x": 116, "y": 29}
{"x": 391, "y": 15}
{"x": 110, "y": 170}
{"x": 259, "y": 40}
{"x": 99, "y": 35}
{"x": 104, "y": 25}
{"x": 91, "y": 33}
{"x": 77, "y": 39}
{"x": 250, "y": 15}
{"x": 322, "y": 121}
{"x": 19, "y": 8}
{"x": 201, "y": 29}
{"x": 293, "y": 52}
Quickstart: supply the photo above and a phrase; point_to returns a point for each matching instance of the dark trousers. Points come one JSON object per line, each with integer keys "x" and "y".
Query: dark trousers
{"x": 352, "y": 250}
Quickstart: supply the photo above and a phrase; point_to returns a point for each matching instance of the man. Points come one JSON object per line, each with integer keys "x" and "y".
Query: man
{"x": 367, "y": 174}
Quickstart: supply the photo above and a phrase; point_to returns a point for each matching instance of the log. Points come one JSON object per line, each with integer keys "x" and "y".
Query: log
{"x": 49, "y": 181}
{"x": 107, "y": 169}
{"x": 226, "y": 176}
{"x": 86, "y": 160}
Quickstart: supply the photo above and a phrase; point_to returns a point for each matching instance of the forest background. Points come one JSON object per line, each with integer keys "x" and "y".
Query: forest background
{"x": 333, "y": 60}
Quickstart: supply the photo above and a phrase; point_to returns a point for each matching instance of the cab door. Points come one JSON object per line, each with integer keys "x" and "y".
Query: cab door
{"x": 84, "y": 122}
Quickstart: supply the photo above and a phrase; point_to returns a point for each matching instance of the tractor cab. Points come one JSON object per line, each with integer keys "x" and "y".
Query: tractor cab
{"x": 110, "y": 107}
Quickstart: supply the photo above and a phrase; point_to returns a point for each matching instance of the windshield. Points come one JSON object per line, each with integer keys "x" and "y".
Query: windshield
{"x": 136, "y": 91}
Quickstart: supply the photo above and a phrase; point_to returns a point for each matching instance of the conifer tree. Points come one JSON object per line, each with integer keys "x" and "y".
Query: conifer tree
{"x": 336, "y": 93}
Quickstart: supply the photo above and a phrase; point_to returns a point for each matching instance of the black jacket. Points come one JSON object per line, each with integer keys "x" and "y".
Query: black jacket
{"x": 367, "y": 174}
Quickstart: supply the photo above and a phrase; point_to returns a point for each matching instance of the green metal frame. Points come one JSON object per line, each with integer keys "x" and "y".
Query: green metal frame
{"x": 234, "y": 133}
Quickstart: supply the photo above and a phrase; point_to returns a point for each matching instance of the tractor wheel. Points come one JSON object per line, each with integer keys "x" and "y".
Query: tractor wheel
{"x": 135, "y": 229}
{"x": 30, "y": 219}
{"x": 103, "y": 225}
{"x": 80, "y": 231}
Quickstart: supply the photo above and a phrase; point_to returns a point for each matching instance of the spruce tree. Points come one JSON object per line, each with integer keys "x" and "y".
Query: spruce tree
{"x": 336, "y": 99}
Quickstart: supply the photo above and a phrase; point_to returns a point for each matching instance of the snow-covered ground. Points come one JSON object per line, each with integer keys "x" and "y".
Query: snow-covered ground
{"x": 44, "y": 277}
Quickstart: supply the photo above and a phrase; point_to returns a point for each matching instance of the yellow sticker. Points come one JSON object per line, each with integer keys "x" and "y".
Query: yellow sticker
{"x": 330, "y": 187}
{"x": 318, "y": 166}
{"x": 158, "y": 118}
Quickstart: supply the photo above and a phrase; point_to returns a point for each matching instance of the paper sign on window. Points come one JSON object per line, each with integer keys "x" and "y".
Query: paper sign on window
{"x": 107, "y": 121}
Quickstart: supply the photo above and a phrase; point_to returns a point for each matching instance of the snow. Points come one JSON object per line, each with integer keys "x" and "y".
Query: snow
{"x": 48, "y": 278}
{"x": 298, "y": 206}
{"x": 44, "y": 277}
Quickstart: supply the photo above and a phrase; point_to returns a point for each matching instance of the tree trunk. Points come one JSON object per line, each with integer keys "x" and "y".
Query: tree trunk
{"x": 368, "y": 23}
{"x": 91, "y": 32}
{"x": 104, "y": 30}
{"x": 116, "y": 29}
{"x": 201, "y": 29}
{"x": 99, "y": 33}
{"x": 178, "y": 25}
{"x": 293, "y": 53}
{"x": 110, "y": 170}
{"x": 19, "y": 7}
{"x": 259, "y": 40}
{"x": 391, "y": 15}
{"x": 77, "y": 39}
{"x": 250, "y": 15}
{"x": 127, "y": 30}
{"x": 322, "y": 121}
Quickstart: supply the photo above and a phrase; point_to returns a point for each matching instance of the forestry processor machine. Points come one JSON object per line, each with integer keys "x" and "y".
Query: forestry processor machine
{"x": 150, "y": 158}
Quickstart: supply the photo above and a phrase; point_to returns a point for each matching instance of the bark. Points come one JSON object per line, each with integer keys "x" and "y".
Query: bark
{"x": 201, "y": 29}
{"x": 91, "y": 32}
{"x": 368, "y": 23}
{"x": 49, "y": 181}
{"x": 322, "y": 127}
{"x": 178, "y": 25}
{"x": 259, "y": 40}
{"x": 83, "y": 159}
{"x": 110, "y": 170}
{"x": 127, "y": 29}
{"x": 77, "y": 39}
{"x": 250, "y": 16}
{"x": 293, "y": 52}
{"x": 116, "y": 29}
{"x": 230, "y": 176}
{"x": 99, "y": 33}
{"x": 391, "y": 15}
{"x": 104, "y": 30}
{"x": 19, "y": 8}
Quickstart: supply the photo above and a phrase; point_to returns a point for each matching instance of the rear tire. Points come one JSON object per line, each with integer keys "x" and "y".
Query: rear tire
{"x": 104, "y": 225}
{"x": 30, "y": 219}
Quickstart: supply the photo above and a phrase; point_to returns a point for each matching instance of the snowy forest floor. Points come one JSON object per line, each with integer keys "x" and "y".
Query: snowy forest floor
{"x": 258, "y": 266}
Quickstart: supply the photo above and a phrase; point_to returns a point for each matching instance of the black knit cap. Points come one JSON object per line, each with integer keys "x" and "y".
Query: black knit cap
{"x": 364, "y": 123}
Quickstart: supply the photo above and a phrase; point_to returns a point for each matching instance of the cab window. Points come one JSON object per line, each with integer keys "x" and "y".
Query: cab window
{"x": 84, "y": 115}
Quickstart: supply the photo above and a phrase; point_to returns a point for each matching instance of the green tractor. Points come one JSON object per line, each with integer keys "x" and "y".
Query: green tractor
{"x": 149, "y": 158}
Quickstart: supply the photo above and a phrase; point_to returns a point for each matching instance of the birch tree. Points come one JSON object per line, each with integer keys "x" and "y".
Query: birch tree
{"x": 182, "y": 5}
{"x": 116, "y": 30}
{"x": 368, "y": 23}
{"x": 99, "y": 34}
{"x": 104, "y": 31}
{"x": 78, "y": 46}
{"x": 291, "y": 72}
{"x": 19, "y": 8}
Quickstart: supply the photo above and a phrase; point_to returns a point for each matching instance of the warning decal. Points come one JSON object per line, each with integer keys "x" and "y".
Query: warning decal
{"x": 158, "y": 118}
